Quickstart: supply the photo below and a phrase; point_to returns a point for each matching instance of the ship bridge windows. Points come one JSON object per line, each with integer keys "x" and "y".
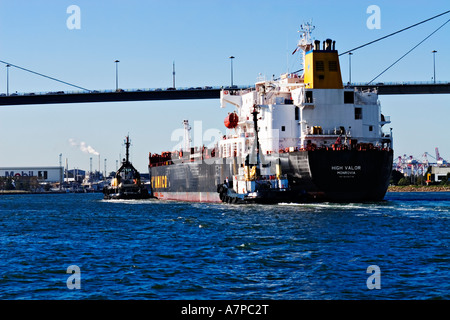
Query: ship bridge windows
{"x": 283, "y": 100}
{"x": 349, "y": 97}
{"x": 308, "y": 96}
{"x": 358, "y": 113}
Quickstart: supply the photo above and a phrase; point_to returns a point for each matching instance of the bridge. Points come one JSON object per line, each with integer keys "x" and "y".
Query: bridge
{"x": 110, "y": 96}
{"x": 208, "y": 92}
{"x": 389, "y": 88}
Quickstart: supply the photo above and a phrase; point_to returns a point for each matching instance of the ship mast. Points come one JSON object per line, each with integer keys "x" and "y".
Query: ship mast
{"x": 305, "y": 43}
{"x": 187, "y": 137}
{"x": 127, "y": 145}
{"x": 255, "y": 125}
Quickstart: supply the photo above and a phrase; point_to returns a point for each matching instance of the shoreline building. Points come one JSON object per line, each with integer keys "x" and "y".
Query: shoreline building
{"x": 43, "y": 174}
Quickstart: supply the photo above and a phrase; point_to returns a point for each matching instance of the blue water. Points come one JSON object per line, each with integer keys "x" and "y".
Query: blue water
{"x": 172, "y": 250}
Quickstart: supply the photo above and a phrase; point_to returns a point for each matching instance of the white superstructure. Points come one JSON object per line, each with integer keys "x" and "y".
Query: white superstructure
{"x": 311, "y": 110}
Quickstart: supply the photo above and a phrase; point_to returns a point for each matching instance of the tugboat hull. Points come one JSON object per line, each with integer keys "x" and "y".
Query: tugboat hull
{"x": 125, "y": 194}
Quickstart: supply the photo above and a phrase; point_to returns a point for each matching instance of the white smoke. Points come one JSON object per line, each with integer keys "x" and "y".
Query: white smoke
{"x": 83, "y": 147}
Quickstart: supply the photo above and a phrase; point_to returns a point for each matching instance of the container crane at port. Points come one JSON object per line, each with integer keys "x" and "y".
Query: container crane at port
{"x": 408, "y": 165}
{"x": 438, "y": 158}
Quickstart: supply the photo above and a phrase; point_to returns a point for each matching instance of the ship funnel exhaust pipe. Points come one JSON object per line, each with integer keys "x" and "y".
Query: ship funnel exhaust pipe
{"x": 317, "y": 45}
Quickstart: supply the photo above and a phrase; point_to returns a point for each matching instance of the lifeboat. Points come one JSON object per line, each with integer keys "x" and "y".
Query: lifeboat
{"x": 231, "y": 120}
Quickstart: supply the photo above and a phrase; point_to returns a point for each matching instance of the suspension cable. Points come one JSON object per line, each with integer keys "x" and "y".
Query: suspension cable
{"x": 43, "y": 75}
{"x": 409, "y": 51}
{"x": 389, "y": 35}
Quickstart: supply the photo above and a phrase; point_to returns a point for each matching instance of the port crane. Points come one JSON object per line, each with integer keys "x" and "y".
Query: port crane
{"x": 438, "y": 158}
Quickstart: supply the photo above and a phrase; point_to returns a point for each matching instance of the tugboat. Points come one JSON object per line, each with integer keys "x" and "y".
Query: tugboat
{"x": 127, "y": 182}
{"x": 254, "y": 184}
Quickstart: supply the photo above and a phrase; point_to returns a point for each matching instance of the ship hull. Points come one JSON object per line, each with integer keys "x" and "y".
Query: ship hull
{"x": 318, "y": 175}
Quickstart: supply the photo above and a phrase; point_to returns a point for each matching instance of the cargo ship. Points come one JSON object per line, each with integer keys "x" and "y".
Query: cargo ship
{"x": 299, "y": 138}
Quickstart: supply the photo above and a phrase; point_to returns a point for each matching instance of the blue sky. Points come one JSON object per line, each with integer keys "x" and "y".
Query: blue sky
{"x": 147, "y": 36}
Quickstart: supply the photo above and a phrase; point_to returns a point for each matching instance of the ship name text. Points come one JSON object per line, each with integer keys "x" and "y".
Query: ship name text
{"x": 159, "y": 182}
{"x": 346, "y": 170}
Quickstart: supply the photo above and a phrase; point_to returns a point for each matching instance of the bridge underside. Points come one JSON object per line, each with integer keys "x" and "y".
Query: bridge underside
{"x": 110, "y": 96}
{"x": 434, "y": 88}
{"x": 187, "y": 94}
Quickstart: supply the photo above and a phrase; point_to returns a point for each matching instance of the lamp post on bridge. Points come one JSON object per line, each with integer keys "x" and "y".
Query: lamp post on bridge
{"x": 7, "y": 79}
{"x": 117, "y": 74}
{"x": 350, "y": 67}
{"x": 434, "y": 65}
{"x": 231, "y": 60}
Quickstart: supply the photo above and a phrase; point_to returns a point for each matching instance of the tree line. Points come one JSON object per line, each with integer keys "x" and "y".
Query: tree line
{"x": 398, "y": 179}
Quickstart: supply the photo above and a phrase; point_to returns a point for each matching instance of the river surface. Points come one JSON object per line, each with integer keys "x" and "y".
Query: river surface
{"x": 396, "y": 249}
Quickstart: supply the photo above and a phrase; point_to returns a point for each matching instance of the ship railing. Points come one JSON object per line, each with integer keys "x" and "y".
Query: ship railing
{"x": 279, "y": 101}
{"x": 264, "y": 177}
{"x": 60, "y": 92}
{"x": 394, "y": 83}
{"x": 176, "y": 157}
{"x": 156, "y": 160}
{"x": 349, "y": 144}
{"x": 238, "y": 136}
{"x": 317, "y": 131}
{"x": 160, "y": 164}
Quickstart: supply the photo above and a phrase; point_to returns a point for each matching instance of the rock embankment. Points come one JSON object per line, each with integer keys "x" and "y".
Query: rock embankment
{"x": 419, "y": 189}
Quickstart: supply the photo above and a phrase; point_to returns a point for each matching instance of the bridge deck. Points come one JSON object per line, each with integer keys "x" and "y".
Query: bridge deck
{"x": 199, "y": 93}
{"x": 408, "y": 88}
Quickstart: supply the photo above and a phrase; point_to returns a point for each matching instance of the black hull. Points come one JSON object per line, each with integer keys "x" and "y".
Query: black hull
{"x": 318, "y": 175}
{"x": 110, "y": 193}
